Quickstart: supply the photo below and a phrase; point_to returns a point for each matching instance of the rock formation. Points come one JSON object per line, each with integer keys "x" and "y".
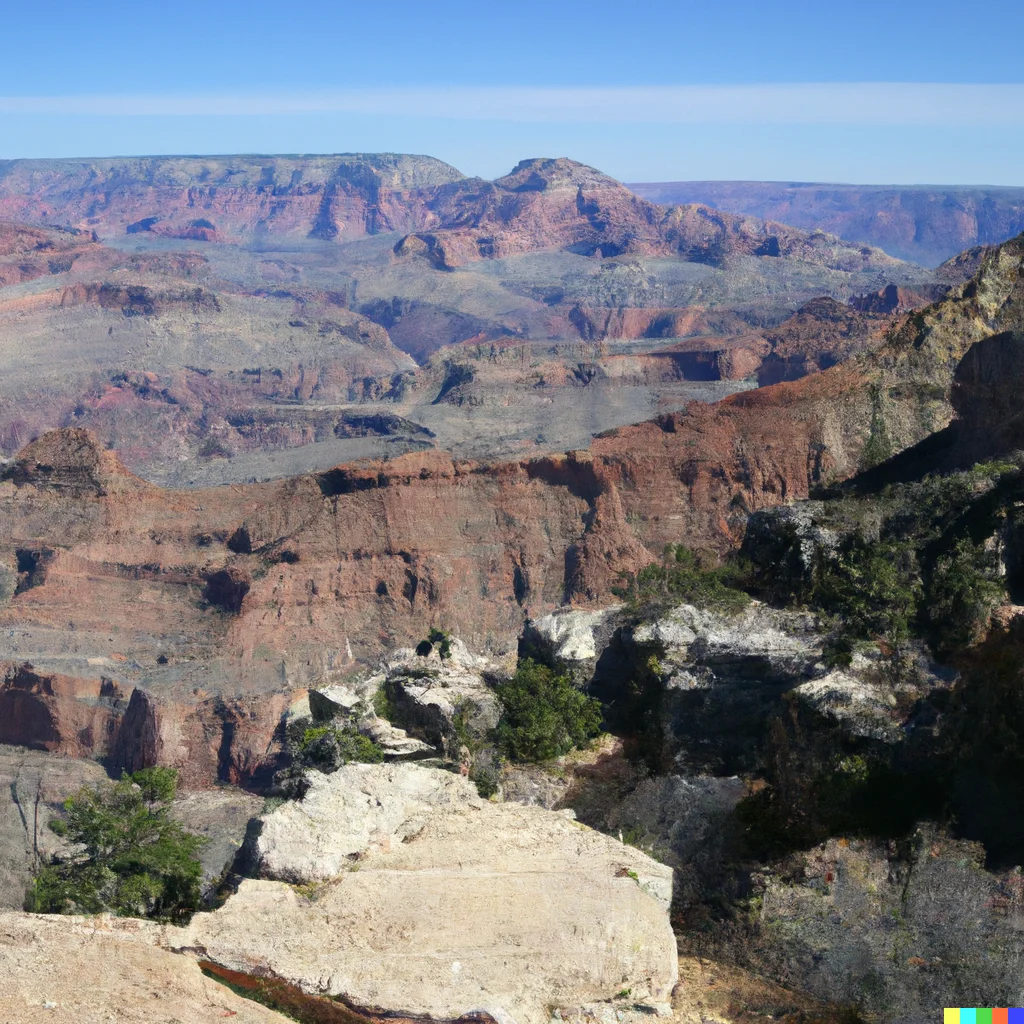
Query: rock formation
{"x": 237, "y": 307}
{"x": 274, "y": 587}
{"x": 33, "y": 785}
{"x": 467, "y": 905}
{"x": 235, "y": 197}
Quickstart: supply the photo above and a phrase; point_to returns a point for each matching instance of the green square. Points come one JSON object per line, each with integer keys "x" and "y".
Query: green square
{"x": 983, "y": 1016}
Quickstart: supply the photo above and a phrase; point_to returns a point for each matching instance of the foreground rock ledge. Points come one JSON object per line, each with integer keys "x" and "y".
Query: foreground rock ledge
{"x": 94, "y": 971}
{"x": 445, "y": 904}
{"x": 436, "y": 903}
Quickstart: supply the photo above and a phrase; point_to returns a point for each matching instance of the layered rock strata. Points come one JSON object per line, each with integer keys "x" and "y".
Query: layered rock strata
{"x": 250, "y": 594}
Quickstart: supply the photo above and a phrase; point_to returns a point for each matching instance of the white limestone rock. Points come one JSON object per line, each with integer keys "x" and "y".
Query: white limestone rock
{"x": 434, "y": 902}
{"x": 349, "y": 812}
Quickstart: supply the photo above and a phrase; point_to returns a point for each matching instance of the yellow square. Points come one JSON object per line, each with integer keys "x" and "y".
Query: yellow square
{"x": 951, "y": 1015}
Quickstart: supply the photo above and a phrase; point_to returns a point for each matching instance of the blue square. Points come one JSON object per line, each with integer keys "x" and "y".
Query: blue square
{"x": 1015, "y": 1016}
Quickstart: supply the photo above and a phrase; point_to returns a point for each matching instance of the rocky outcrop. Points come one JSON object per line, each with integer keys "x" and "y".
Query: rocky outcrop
{"x": 897, "y": 930}
{"x": 221, "y": 816}
{"x": 61, "y": 714}
{"x": 704, "y": 685}
{"x": 346, "y": 564}
{"x": 27, "y": 253}
{"x": 433, "y": 704}
{"x": 571, "y": 639}
{"x": 561, "y": 204}
{"x": 986, "y": 396}
{"x": 359, "y": 809}
{"x": 467, "y": 904}
{"x": 224, "y": 738}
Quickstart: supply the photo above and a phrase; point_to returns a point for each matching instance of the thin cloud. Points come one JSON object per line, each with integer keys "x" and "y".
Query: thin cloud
{"x": 852, "y": 103}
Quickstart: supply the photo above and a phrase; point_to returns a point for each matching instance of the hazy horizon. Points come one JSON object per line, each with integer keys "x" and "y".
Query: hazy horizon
{"x": 868, "y": 93}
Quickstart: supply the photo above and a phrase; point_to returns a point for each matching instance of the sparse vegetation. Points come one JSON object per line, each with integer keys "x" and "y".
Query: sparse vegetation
{"x": 684, "y": 576}
{"x": 129, "y": 857}
{"x": 384, "y": 705}
{"x": 907, "y": 561}
{"x": 485, "y": 762}
{"x": 963, "y": 590}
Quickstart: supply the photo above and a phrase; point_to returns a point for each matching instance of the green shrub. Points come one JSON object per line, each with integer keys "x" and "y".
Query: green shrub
{"x": 438, "y": 638}
{"x": 384, "y": 705}
{"x": 873, "y": 587}
{"x": 962, "y": 592}
{"x": 486, "y": 775}
{"x": 542, "y": 714}
{"x": 837, "y": 652}
{"x": 328, "y": 747}
{"x": 879, "y": 445}
{"x": 132, "y": 860}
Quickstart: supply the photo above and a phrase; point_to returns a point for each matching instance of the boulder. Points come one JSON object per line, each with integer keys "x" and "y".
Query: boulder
{"x": 426, "y": 695}
{"x": 221, "y": 816}
{"x": 423, "y": 899}
{"x": 358, "y": 808}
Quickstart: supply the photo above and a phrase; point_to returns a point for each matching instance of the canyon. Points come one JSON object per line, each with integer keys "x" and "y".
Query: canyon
{"x": 335, "y": 308}
{"x": 270, "y": 423}
{"x": 192, "y": 618}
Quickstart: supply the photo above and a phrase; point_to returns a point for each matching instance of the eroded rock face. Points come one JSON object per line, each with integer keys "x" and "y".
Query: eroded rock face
{"x": 346, "y": 564}
{"x": 900, "y": 932}
{"x": 228, "y": 198}
{"x": 221, "y": 816}
{"x": 466, "y": 904}
{"x": 920, "y": 224}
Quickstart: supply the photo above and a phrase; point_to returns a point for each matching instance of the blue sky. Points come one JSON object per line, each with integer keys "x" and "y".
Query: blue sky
{"x": 867, "y": 92}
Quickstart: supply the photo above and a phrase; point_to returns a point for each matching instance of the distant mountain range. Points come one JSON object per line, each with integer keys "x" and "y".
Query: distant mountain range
{"x": 926, "y": 224}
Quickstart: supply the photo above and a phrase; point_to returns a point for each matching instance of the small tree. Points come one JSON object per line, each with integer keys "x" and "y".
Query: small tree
{"x": 542, "y": 714}
{"x": 131, "y": 858}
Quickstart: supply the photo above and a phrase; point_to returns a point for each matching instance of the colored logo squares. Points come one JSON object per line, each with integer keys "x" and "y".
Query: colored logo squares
{"x": 983, "y": 1015}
